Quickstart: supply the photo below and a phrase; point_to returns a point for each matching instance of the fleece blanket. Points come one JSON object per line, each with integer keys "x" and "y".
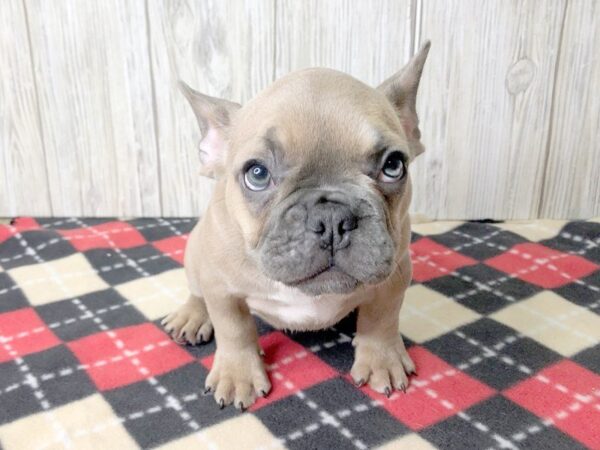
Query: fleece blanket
{"x": 502, "y": 320}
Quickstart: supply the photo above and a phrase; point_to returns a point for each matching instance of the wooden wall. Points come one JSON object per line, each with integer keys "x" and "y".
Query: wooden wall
{"x": 91, "y": 122}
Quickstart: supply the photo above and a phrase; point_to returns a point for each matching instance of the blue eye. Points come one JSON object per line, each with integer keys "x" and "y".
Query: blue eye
{"x": 393, "y": 168}
{"x": 257, "y": 177}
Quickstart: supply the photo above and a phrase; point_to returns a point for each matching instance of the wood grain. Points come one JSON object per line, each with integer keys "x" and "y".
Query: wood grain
{"x": 221, "y": 48}
{"x": 23, "y": 180}
{"x": 92, "y": 73}
{"x": 91, "y": 121}
{"x": 369, "y": 40}
{"x": 484, "y": 105}
{"x": 572, "y": 178}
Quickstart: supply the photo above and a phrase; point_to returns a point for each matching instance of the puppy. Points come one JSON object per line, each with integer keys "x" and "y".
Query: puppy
{"x": 308, "y": 222}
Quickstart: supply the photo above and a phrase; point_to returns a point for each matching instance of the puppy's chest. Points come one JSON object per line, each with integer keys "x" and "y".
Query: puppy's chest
{"x": 291, "y": 309}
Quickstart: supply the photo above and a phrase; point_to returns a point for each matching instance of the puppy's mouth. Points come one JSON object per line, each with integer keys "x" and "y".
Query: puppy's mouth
{"x": 327, "y": 280}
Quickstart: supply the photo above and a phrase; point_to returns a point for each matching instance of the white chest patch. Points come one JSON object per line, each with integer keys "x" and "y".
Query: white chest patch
{"x": 286, "y": 307}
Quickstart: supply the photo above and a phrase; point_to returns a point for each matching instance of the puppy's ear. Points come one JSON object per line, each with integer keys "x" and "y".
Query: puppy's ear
{"x": 401, "y": 90}
{"x": 214, "y": 118}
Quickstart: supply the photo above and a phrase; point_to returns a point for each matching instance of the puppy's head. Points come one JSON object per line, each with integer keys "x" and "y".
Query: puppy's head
{"x": 314, "y": 171}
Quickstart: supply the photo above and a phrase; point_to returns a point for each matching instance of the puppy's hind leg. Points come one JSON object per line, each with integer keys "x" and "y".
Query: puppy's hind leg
{"x": 190, "y": 323}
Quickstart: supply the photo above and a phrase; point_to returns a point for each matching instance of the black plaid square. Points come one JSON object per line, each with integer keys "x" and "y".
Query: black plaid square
{"x": 496, "y": 423}
{"x": 356, "y": 412}
{"x": 169, "y": 408}
{"x": 300, "y": 422}
{"x": 52, "y": 377}
{"x": 492, "y": 353}
{"x": 414, "y": 237}
{"x": 579, "y": 238}
{"x": 157, "y": 229}
{"x": 45, "y": 244}
{"x": 71, "y": 320}
{"x": 482, "y": 288}
{"x": 11, "y": 296}
{"x": 117, "y": 267}
{"x": 589, "y": 358}
{"x": 477, "y": 240}
{"x": 332, "y": 346}
{"x": 584, "y": 292}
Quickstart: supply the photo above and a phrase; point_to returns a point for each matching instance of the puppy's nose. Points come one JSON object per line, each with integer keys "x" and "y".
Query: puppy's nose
{"x": 332, "y": 222}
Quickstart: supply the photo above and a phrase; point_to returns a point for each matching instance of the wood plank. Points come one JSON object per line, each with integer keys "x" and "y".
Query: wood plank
{"x": 224, "y": 49}
{"x": 23, "y": 180}
{"x": 572, "y": 179}
{"x": 484, "y": 105}
{"x": 92, "y": 72}
{"x": 369, "y": 40}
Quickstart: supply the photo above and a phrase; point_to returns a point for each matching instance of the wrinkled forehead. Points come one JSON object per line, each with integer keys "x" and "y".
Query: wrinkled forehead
{"x": 318, "y": 122}
{"x": 322, "y": 134}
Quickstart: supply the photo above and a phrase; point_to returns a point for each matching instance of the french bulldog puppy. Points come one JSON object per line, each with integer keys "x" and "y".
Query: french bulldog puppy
{"x": 308, "y": 221}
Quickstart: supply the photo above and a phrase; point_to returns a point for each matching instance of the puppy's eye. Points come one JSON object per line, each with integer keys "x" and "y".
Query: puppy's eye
{"x": 393, "y": 168}
{"x": 257, "y": 177}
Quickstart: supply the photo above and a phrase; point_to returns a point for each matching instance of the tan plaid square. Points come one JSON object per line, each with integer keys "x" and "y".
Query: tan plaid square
{"x": 534, "y": 231}
{"x": 429, "y": 228}
{"x": 245, "y": 431}
{"x": 58, "y": 279}
{"x": 427, "y": 314}
{"x": 554, "y": 322}
{"x": 156, "y": 296}
{"x": 86, "y": 424}
{"x": 409, "y": 442}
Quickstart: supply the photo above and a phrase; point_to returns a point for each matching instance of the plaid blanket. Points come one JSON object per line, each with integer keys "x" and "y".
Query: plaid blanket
{"x": 502, "y": 321}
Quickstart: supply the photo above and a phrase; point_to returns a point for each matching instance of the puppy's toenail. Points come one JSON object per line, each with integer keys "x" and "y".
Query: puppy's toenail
{"x": 207, "y": 390}
{"x": 359, "y": 383}
{"x": 263, "y": 393}
{"x": 242, "y": 407}
{"x": 403, "y": 387}
{"x": 388, "y": 392}
{"x": 221, "y": 404}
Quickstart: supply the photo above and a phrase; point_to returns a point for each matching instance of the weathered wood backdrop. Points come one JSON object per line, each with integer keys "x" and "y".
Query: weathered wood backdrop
{"x": 91, "y": 122}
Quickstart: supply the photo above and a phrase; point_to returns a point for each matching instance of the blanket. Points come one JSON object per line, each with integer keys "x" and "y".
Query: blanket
{"x": 502, "y": 321}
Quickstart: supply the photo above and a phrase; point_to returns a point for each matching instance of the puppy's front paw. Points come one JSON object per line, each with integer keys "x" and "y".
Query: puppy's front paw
{"x": 384, "y": 365}
{"x": 190, "y": 323}
{"x": 238, "y": 378}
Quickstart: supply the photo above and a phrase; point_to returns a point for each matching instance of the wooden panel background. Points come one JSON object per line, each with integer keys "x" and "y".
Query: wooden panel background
{"x": 485, "y": 103}
{"x": 91, "y": 122}
{"x": 23, "y": 179}
{"x": 222, "y": 48}
{"x": 572, "y": 177}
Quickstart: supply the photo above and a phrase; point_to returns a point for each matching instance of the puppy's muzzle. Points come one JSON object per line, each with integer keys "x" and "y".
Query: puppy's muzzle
{"x": 327, "y": 241}
{"x": 332, "y": 222}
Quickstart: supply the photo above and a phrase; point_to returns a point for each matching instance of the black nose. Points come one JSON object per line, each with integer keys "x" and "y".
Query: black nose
{"x": 332, "y": 222}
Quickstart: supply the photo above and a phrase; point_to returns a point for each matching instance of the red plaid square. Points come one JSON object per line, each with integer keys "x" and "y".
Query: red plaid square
{"x": 172, "y": 247}
{"x": 106, "y": 235}
{"x": 23, "y": 332}
{"x": 567, "y": 394}
{"x": 291, "y": 367}
{"x": 432, "y": 260}
{"x": 25, "y": 224}
{"x": 440, "y": 391}
{"x": 18, "y": 225}
{"x": 5, "y": 233}
{"x": 541, "y": 265}
{"x": 127, "y": 355}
